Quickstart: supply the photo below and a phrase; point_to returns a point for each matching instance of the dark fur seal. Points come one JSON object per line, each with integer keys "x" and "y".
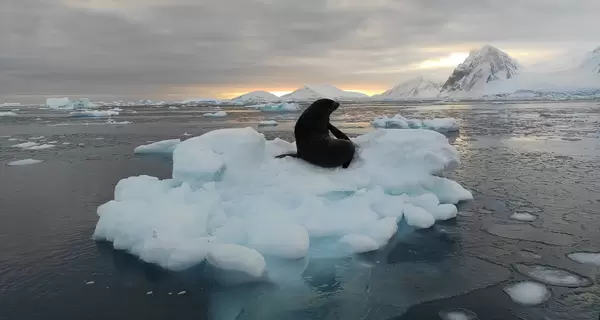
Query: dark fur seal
{"x": 313, "y": 142}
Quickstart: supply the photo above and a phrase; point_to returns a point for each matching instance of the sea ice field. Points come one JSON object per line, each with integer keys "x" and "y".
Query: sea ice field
{"x": 455, "y": 211}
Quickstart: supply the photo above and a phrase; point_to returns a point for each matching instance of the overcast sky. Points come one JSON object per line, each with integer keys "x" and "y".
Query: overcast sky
{"x": 197, "y": 48}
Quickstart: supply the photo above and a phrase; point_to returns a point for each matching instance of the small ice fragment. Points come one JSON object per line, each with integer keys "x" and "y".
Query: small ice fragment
{"x": 553, "y": 276}
{"x": 186, "y": 134}
{"x": 7, "y": 114}
{"x": 216, "y": 114}
{"x": 90, "y": 282}
{"x": 66, "y": 143}
{"x": 37, "y": 138}
{"x": 24, "y": 162}
{"x": 267, "y": 123}
{"x": 181, "y": 292}
{"x": 100, "y": 138}
{"x": 418, "y": 217}
{"x": 457, "y": 314}
{"x": 149, "y": 293}
{"x": 81, "y": 144}
{"x": 170, "y": 293}
{"x": 585, "y": 257}
{"x": 234, "y": 257}
{"x": 52, "y": 142}
{"x": 528, "y": 293}
{"x": 523, "y": 216}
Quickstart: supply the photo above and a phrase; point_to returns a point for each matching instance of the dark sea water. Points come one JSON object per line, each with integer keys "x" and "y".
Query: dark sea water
{"x": 542, "y": 159}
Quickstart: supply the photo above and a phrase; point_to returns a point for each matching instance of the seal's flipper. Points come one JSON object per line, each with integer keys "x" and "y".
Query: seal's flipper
{"x": 337, "y": 132}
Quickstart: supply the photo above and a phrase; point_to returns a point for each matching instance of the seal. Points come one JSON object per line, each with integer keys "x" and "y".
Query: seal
{"x": 313, "y": 142}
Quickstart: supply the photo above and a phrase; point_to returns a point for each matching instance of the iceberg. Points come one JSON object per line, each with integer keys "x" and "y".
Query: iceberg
{"x": 231, "y": 203}
{"x": 267, "y": 123}
{"x": 399, "y": 122}
{"x": 24, "y": 162}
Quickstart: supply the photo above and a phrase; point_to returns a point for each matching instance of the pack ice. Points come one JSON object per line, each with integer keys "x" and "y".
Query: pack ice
{"x": 231, "y": 203}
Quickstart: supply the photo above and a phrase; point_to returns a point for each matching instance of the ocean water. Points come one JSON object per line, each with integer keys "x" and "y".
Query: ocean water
{"x": 541, "y": 159}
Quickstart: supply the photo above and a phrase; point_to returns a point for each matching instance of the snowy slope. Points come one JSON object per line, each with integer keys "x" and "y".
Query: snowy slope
{"x": 481, "y": 68}
{"x": 311, "y": 92}
{"x": 416, "y": 88}
{"x": 256, "y": 96}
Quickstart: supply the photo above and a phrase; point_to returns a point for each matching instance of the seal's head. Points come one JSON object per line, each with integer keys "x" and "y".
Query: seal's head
{"x": 327, "y": 104}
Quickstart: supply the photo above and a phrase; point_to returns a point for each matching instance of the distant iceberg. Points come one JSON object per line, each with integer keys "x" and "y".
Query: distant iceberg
{"x": 400, "y": 122}
{"x": 276, "y": 107}
{"x": 65, "y": 103}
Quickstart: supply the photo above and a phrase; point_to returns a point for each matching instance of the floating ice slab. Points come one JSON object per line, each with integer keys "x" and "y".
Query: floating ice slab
{"x": 553, "y": 276}
{"x": 25, "y": 145}
{"x": 217, "y": 114}
{"x": 94, "y": 113}
{"x": 585, "y": 257}
{"x": 24, "y": 162}
{"x": 229, "y": 198}
{"x": 523, "y": 216}
{"x": 164, "y": 146}
{"x": 59, "y": 103}
{"x": 7, "y": 114}
{"x": 41, "y": 147}
{"x": 267, "y": 123}
{"x": 457, "y": 314}
{"x": 400, "y": 122}
{"x": 528, "y": 293}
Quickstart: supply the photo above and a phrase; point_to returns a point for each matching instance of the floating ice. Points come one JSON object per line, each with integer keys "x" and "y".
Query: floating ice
{"x": 93, "y": 113}
{"x": 585, "y": 257}
{"x": 41, "y": 147}
{"x": 230, "y": 201}
{"x": 276, "y": 107}
{"x": 7, "y": 114}
{"x": 90, "y": 282}
{"x": 267, "y": 123}
{"x": 10, "y": 104}
{"x": 25, "y": 145}
{"x": 181, "y": 292}
{"x": 400, "y": 122}
{"x": 173, "y": 108}
{"x": 24, "y": 162}
{"x": 164, "y": 146}
{"x": 457, "y": 314}
{"x": 553, "y": 276}
{"x": 216, "y": 114}
{"x": 112, "y": 121}
{"x": 528, "y": 293}
{"x": 149, "y": 293}
{"x": 523, "y": 216}
{"x": 37, "y": 138}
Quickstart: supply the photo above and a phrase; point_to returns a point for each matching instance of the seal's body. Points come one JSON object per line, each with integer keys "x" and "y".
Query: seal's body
{"x": 313, "y": 142}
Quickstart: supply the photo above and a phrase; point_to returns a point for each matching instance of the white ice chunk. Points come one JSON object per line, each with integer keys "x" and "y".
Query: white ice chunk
{"x": 528, "y": 293}
{"x": 267, "y": 123}
{"x": 457, "y": 314}
{"x": 7, "y": 114}
{"x": 59, "y": 103}
{"x": 164, "y": 146}
{"x": 418, "y": 217}
{"x": 442, "y": 124}
{"x": 276, "y": 107}
{"x": 217, "y": 114}
{"x": 41, "y": 147}
{"x": 585, "y": 257}
{"x": 25, "y": 145}
{"x": 24, "y": 162}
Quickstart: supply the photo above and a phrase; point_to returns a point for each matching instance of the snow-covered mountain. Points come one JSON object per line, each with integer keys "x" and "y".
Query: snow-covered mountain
{"x": 591, "y": 62}
{"x": 482, "y": 67}
{"x": 415, "y": 88}
{"x": 256, "y": 96}
{"x": 311, "y": 92}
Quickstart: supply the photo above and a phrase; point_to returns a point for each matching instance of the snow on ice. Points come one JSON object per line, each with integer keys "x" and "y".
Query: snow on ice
{"x": 164, "y": 146}
{"x": 217, "y": 114}
{"x": 400, "y": 122}
{"x": 231, "y": 203}
{"x": 24, "y": 162}
{"x": 528, "y": 293}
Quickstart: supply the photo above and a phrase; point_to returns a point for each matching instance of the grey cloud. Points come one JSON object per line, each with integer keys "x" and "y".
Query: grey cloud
{"x": 147, "y": 47}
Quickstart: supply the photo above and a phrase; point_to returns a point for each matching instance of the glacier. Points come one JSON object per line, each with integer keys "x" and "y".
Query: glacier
{"x": 231, "y": 203}
{"x": 255, "y": 97}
